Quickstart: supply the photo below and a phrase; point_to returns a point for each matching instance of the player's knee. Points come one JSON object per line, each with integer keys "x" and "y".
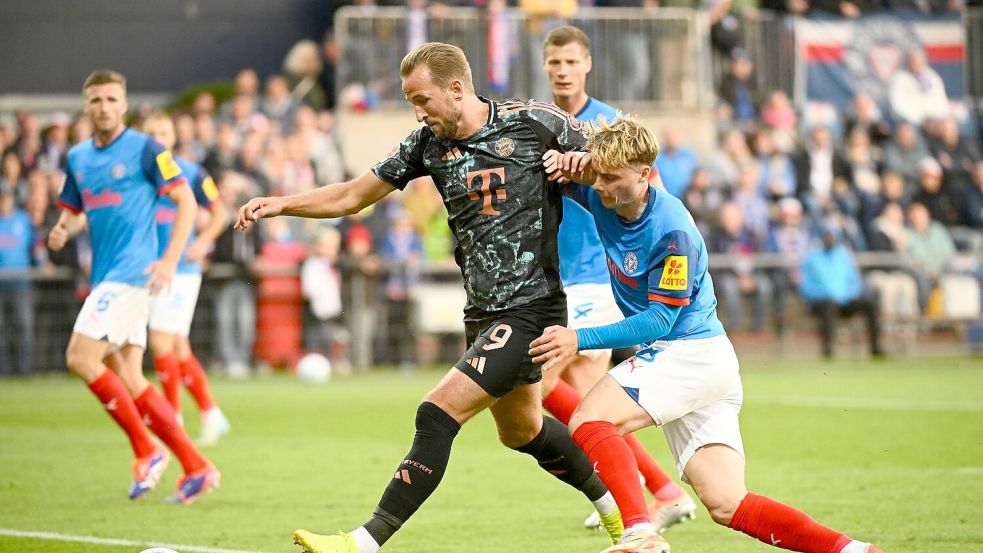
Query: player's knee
{"x": 81, "y": 365}
{"x": 434, "y": 422}
{"x": 720, "y": 505}
{"x": 517, "y": 436}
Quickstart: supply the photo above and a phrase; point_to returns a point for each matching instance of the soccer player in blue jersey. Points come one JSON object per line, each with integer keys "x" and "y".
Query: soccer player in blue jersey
{"x": 112, "y": 184}
{"x": 686, "y": 376}
{"x": 171, "y": 311}
{"x": 590, "y": 301}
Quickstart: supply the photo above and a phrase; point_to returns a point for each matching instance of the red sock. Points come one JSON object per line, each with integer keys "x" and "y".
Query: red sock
{"x": 562, "y": 401}
{"x": 169, "y": 375}
{"x": 782, "y": 526}
{"x": 614, "y": 463}
{"x": 163, "y": 422}
{"x": 656, "y": 480}
{"x": 113, "y": 395}
{"x": 197, "y": 382}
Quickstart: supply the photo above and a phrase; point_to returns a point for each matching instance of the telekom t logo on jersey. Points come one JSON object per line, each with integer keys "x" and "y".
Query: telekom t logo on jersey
{"x": 481, "y": 183}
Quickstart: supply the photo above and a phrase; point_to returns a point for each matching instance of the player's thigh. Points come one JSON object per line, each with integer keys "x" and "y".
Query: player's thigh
{"x": 84, "y": 356}
{"x": 172, "y": 311}
{"x": 161, "y": 343}
{"x": 609, "y": 401}
{"x": 458, "y": 395}
{"x": 587, "y": 369}
{"x": 519, "y": 415}
{"x": 498, "y": 358}
{"x": 716, "y": 472}
{"x": 672, "y": 379}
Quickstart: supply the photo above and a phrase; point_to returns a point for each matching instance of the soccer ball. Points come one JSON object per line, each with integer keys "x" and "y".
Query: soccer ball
{"x": 158, "y": 550}
{"x": 314, "y": 368}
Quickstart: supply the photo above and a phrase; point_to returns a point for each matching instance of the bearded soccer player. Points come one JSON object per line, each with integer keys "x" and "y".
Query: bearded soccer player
{"x": 484, "y": 157}
{"x": 112, "y": 184}
{"x": 686, "y": 376}
{"x": 590, "y": 300}
{"x": 172, "y": 311}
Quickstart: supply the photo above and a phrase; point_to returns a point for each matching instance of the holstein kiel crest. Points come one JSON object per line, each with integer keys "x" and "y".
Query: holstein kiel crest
{"x": 504, "y": 147}
{"x": 631, "y": 263}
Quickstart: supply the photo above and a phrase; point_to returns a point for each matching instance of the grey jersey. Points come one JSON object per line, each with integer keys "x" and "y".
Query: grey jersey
{"x": 502, "y": 211}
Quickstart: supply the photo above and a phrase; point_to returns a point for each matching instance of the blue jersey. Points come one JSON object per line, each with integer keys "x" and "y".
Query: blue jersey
{"x": 116, "y": 186}
{"x": 661, "y": 257}
{"x": 16, "y": 240}
{"x": 205, "y": 193}
{"x": 581, "y": 253}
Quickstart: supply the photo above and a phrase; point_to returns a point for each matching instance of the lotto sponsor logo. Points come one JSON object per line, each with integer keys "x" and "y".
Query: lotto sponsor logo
{"x": 168, "y": 167}
{"x": 106, "y": 198}
{"x": 620, "y": 276}
{"x": 674, "y": 274}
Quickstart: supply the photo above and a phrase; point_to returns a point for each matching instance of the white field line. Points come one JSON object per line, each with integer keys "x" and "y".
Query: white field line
{"x": 879, "y": 404}
{"x": 52, "y": 536}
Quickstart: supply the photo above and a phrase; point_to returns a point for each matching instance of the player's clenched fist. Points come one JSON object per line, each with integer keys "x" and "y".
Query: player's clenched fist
{"x": 256, "y": 209}
{"x": 58, "y": 237}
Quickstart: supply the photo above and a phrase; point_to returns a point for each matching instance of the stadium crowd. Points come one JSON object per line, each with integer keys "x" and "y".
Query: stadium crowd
{"x": 905, "y": 178}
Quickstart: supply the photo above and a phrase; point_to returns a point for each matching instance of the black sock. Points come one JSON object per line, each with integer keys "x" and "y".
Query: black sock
{"x": 555, "y": 451}
{"x": 418, "y": 474}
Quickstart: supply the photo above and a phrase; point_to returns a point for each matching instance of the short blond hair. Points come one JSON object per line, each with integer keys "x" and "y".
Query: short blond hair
{"x": 623, "y": 143}
{"x": 104, "y": 76}
{"x": 446, "y": 63}
{"x": 156, "y": 117}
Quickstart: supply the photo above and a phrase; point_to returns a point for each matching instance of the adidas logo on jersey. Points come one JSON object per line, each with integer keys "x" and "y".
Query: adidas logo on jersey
{"x": 478, "y": 363}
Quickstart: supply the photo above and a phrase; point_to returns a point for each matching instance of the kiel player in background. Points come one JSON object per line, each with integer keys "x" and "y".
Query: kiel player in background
{"x": 686, "y": 376}
{"x": 112, "y": 184}
{"x": 171, "y": 311}
{"x": 485, "y": 159}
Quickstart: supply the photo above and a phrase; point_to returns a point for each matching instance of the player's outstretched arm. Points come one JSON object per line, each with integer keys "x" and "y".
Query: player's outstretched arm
{"x": 68, "y": 226}
{"x": 333, "y": 200}
{"x": 569, "y": 166}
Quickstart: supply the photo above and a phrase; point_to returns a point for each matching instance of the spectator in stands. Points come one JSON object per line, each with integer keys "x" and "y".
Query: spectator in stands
{"x": 896, "y": 289}
{"x": 55, "y": 152}
{"x": 81, "y": 129}
{"x": 789, "y": 238}
{"x": 904, "y": 153}
{"x": 752, "y": 202}
{"x": 204, "y": 125}
{"x": 778, "y": 114}
{"x": 223, "y": 154}
{"x": 816, "y": 167}
{"x": 929, "y": 250}
{"x": 740, "y": 280}
{"x": 320, "y": 280}
{"x": 917, "y": 93}
{"x": 776, "y": 172}
{"x": 36, "y": 203}
{"x": 249, "y": 162}
{"x": 943, "y": 203}
{"x": 833, "y": 287}
{"x": 892, "y": 192}
{"x": 299, "y": 175}
{"x": 846, "y": 8}
{"x": 676, "y": 162}
{"x": 235, "y": 303}
{"x": 302, "y": 68}
{"x": 703, "y": 200}
{"x": 29, "y": 143}
{"x": 402, "y": 249}
{"x": 957, "y": 155}
{"x": 187, "y": 145}
{"x": 246, "y": 87}
{"x": 863, "y": 160}
{"x": 974, "y": 199}
{"x": 242, "y": 107}
{"x": 724, "y": 164}
{"x": 865, "y": 115}
{"x": 204, "y": 105}
{"x": 738, "y": 91}
{"x": 318, "y": 130}
{"x": 16, "y": 295}
{"x": 329, "y": 67}
{"x": 278, "y": 104}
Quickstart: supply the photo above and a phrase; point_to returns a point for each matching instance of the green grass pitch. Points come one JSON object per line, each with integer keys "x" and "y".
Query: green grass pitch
{"x": 890, "y": 451}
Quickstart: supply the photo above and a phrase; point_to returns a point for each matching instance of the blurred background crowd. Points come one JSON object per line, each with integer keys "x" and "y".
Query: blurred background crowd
{"x": 875, "y": 209}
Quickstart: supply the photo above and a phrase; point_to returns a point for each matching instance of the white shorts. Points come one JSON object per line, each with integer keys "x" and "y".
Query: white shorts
{"x": 116, "y": 313}
{"x": 692, "y": 389}
{"x": 592, "y": 305}
{"x": 173, "y": 311}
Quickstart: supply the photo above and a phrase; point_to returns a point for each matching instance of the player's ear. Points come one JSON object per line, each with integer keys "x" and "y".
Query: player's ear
{"x": 646, "y": 171}
{"x": 589, "y": 63}
{"x": 457, "y": 89}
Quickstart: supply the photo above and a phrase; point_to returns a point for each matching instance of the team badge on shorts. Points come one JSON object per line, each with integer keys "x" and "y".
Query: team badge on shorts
{"x": 504, "y": 147}
{"x": 674, "y": 274}
{"x": 631, "y": 263}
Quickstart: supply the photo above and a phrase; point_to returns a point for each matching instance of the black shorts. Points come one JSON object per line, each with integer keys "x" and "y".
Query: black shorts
{"x": 498, "y": 357}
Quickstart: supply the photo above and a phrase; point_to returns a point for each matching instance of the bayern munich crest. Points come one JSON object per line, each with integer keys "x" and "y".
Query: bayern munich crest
{"x": 504, "y": 147}
{"x": 631, "y": 263}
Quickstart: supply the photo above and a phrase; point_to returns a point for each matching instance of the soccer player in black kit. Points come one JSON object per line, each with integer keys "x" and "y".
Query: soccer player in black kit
{"x": 485, "y": 158}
